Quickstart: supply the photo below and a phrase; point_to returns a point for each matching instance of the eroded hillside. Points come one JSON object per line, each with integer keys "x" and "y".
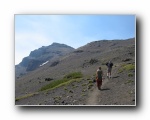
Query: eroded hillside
{"x": 85, "y": 60}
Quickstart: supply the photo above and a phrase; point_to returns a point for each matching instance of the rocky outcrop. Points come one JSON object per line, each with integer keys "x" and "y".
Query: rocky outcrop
{"x": 41, "y": 55}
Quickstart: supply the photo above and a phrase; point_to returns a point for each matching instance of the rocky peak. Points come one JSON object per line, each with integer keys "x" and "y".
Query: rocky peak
{"x": 43, "y": 54}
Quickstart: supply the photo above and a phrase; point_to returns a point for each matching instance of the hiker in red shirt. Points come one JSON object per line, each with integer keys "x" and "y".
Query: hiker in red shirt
{"x": 99, "y": 74}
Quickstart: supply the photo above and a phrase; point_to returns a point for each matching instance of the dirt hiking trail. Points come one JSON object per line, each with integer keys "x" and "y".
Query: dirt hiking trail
{"x": 106, "y": 94}
{"x": 94, "y": 96}
{"x": 118, "y": 90}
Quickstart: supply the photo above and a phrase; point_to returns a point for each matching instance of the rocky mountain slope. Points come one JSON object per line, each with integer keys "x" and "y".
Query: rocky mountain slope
{"x": 120, "y": 90}
{"x": 41, "y": 56}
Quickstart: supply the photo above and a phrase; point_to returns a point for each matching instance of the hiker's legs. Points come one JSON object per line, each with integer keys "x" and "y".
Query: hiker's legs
{"x": 99, "y": 84}
{"x": 109, "y": 72}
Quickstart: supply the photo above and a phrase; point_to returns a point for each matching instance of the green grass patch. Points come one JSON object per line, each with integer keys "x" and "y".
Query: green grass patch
{"x": 26, "y": 96}
{"x": 126, "y": 67}
{"x": 130, "y": 75}
{"x": 58, "y": 83}
{"x": 83, "y": 94}
{"x": 73, "y": 75}
{"x": 70, "y": 78}
{"x": 120, "y": 70}
{"x": 90, "y": 81}
{"x": 54, "y": 84}
{"x": 129, "y": 67}
{"x": 90, "y": 86}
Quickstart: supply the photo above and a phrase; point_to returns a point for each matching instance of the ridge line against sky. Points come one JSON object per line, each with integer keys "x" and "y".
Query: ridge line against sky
{"x": 35, "y": 31}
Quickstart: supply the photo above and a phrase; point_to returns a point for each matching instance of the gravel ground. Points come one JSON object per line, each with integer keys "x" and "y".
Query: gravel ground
{"x": 118, "y": 90}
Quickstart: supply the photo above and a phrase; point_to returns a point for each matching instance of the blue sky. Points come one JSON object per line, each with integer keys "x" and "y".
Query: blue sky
{"x": 34, "y": 31}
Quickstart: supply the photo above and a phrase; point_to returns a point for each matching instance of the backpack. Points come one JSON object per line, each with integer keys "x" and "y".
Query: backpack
{"x": 109, "y": 64}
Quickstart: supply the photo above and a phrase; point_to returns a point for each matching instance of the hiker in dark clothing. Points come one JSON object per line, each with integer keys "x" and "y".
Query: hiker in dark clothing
{"x": 99, "y": 74}
{"x": 109, "y": 66}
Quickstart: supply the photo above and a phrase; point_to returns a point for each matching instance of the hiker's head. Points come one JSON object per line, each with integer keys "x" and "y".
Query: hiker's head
{"x": 100, "y": 68}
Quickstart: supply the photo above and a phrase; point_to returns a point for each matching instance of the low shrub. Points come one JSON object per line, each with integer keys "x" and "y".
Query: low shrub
{"x": 130, "y": 75}
{"x": 53, "y": 84}
{"x": 26, "y": 96}
{"x": 71, "y": 77}
{"x": 129, "y": 67}
{"x": 126, "y": 67}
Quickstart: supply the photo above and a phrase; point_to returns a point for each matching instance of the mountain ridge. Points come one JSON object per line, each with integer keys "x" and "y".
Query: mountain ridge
{"x": 33, "y": 61}
{"x": 85, "y": 60}
{"x": 41, "y": 55}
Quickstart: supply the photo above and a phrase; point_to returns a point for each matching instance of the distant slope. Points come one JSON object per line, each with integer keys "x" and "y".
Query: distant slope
{"x": 40, "y": 56}
{"x": 86, "y": 60}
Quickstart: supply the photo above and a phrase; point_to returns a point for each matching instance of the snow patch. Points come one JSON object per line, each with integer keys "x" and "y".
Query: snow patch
{"x": 44, "y": 63}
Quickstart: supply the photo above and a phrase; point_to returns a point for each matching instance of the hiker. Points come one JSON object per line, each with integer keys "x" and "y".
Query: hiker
{"x": 99, "y": 74}
{"x": 109, "y": 66}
